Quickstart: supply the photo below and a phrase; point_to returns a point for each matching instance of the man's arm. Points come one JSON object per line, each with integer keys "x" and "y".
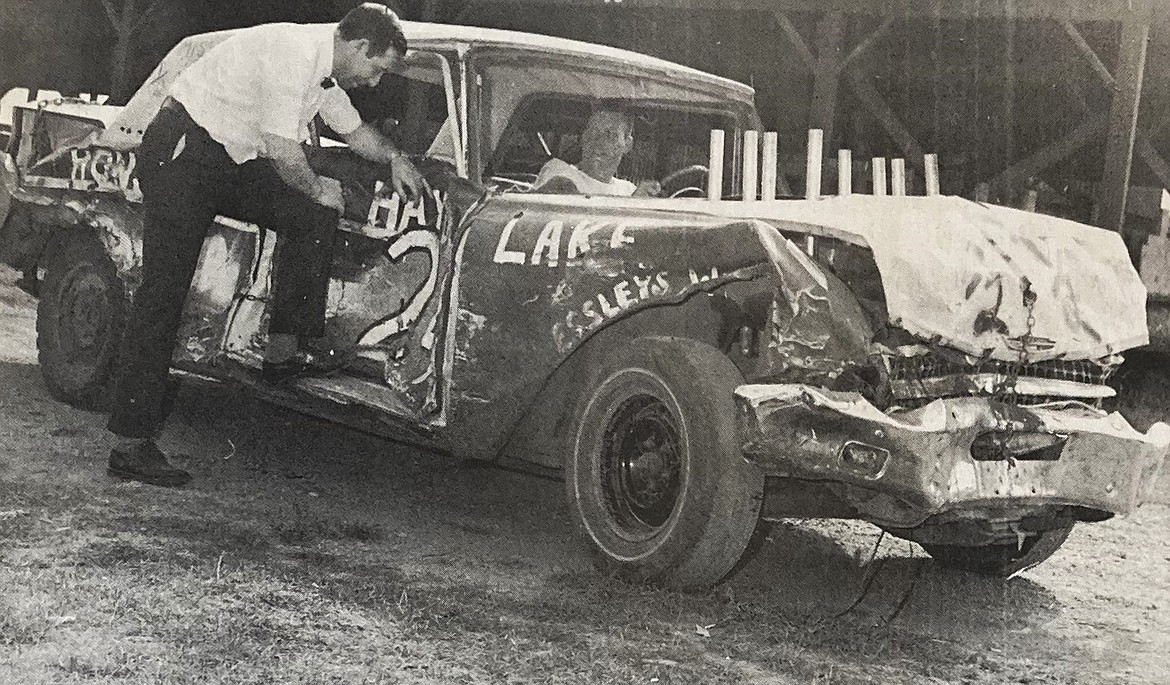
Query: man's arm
{"x": 372, "y": 144}
{"x": 288, "y": 158}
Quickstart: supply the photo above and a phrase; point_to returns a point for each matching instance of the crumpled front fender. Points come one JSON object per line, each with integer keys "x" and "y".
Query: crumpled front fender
{"x": 907, "y": 466}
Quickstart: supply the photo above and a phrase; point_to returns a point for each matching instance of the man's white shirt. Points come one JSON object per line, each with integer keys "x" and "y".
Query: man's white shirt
{"x": 265, "y": 80}
{"x": 585, "y": 183}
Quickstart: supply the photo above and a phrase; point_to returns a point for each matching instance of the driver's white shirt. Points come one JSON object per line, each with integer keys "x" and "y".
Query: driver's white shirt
{"x": 265, "y": 79}
{"x": 584, "y": 182}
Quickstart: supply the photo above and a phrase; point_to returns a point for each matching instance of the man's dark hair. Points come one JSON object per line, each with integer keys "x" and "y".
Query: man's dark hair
{"x": 613, "y": 106}
{"x": 377, "y": 24}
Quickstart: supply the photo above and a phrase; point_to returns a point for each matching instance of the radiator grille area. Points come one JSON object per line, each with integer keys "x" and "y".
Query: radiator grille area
{"x": 919, "y": 377}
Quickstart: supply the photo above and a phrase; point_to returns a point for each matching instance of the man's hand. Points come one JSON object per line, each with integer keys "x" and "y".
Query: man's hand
{"x": 407, "y": 180}
{"x": 648, "y": 188}
{"x": 375, "y": 146}
{"x": 288, "y": 158}
{"x": 330, "y": 194}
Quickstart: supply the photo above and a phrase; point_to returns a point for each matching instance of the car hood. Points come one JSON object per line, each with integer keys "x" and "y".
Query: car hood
{"x": 984, "y": 279}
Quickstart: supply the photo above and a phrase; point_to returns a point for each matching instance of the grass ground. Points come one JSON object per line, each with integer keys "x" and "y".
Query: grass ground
{"x": 306, "y": 553}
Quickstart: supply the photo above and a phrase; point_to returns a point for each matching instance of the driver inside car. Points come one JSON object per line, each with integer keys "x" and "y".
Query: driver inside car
{"x": 608, "y": 136}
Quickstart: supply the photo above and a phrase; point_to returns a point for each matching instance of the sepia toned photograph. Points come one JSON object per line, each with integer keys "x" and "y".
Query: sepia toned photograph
{"x": 762, "y": 342}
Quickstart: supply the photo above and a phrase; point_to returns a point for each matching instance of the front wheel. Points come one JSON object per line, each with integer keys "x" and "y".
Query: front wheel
{"x": 80, "y": 317}
{"x": 1001, "y": 560}
{"x": 657, "y": 480}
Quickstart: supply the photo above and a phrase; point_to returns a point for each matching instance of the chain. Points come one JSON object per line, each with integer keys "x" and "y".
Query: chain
{"x": 1011, "y": 394}
{"x": 1008, "y": 386}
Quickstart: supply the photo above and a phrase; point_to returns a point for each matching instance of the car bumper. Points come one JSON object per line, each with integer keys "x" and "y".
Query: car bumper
{"x": 902, "y": 468}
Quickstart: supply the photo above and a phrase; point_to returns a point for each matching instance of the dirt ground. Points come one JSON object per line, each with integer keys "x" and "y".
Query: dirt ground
{"x": 306, "y": 552}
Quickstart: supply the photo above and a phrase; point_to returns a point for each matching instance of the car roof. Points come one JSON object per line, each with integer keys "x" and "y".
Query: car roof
{"x": 435, "y": 35}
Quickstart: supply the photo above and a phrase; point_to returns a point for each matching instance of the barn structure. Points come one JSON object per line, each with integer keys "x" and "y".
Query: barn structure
{"x": 1067, "y": 99}
{"x": 1059, "y": 102}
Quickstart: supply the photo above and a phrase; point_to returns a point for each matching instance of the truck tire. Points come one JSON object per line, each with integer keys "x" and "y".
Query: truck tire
{"x": 656, "y": 479}
{"x": 1000, "y": 560}
{"x": 80, "y": 318}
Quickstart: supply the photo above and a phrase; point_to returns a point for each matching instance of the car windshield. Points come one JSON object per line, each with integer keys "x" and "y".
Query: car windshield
{"x": 538, "y": 112}
{"x": 667, "y": 137}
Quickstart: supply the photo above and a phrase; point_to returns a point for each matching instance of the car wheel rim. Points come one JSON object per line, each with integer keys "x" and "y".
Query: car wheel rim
{"x": 86, "y": 316}
{"x": 641, "y": 466}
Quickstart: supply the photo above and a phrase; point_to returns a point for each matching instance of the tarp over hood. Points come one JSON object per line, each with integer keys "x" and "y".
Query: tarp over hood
{"x": 956, "y": 272}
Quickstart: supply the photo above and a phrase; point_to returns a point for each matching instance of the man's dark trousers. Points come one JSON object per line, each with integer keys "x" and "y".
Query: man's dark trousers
{"x": 187, "y": 179}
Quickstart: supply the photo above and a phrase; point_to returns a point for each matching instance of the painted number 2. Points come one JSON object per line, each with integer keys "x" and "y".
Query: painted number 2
{"x": 409, "y": 229}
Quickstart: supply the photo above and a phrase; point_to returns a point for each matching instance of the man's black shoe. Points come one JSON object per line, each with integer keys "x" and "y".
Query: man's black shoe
{"x": 303, "y": 364}
{"x": 145, "y": 463}
{"x": 283, "y": 372}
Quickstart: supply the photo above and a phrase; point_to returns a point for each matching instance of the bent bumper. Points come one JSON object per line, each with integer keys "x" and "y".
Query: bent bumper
{"x": 907, "y": 466}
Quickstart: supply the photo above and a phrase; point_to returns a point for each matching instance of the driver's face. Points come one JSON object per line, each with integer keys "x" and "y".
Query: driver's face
{"x": 607, "y": 135}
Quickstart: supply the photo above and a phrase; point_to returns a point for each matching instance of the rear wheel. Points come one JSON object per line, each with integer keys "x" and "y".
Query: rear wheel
{"x": 80, "y": 318}
{"x": 1002, "y": 560}
{"x": 657, "y": 480}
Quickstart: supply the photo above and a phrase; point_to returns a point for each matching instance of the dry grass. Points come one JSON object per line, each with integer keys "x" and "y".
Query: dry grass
{"x": 311, "y": 554}
{"x": 147, "y": 587}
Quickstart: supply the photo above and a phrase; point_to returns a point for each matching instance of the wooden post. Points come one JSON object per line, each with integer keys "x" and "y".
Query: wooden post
{"x": 930, "y": 164}
{"x": 812, "y": 167}
{"x": 1030, "y": 198}
{"x": 1135, "y": 34}
{"x": 715, "y": 166}
{"x": 771, "y": 154}
{"x": 751, "y": 165}
{"x": 1009, "y": 83}
{"x": 844, "y": 172}
{"x": 826, "y": 83}
{"x": 897, "y": 176}
{"x": 885, "y": 116}
{"x": 1164, "y": 205}
{"x": 879, "y": 175}
{"x": 127, "y": 19}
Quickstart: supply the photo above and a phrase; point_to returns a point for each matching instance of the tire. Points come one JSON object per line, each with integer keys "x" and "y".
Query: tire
{"x": 656, "y": 479}
{"x": 1000, "y": 560}
{"x": 80, "y": 318}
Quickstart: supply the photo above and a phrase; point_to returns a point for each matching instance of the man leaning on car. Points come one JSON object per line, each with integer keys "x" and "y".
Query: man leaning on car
{"x": 228, "y": 141}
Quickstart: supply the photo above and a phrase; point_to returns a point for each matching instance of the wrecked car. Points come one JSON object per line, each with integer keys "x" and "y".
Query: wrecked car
{"x": 690, "y": 365}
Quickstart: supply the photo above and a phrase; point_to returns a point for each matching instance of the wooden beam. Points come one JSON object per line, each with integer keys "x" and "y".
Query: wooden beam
{"x": 112, "y": 15}
{"x": 823, "y": 108}
{"x": 865, "y": 91}
{"x": 798, "y": 43}
{"x": 1153, "y": 160}
{"x": 1144, "y": 148}
{"x": 885, "y": 116}
{"x": 865, "y": 45}
{"x": 1123, "y": 114}
{"x": 1089, "y": 54}
{"x": 145, "y": 14}
{"x": 1009, "y": 84}
{"x": 1091, "y": 128}
{"x": 1073, "y": 10}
